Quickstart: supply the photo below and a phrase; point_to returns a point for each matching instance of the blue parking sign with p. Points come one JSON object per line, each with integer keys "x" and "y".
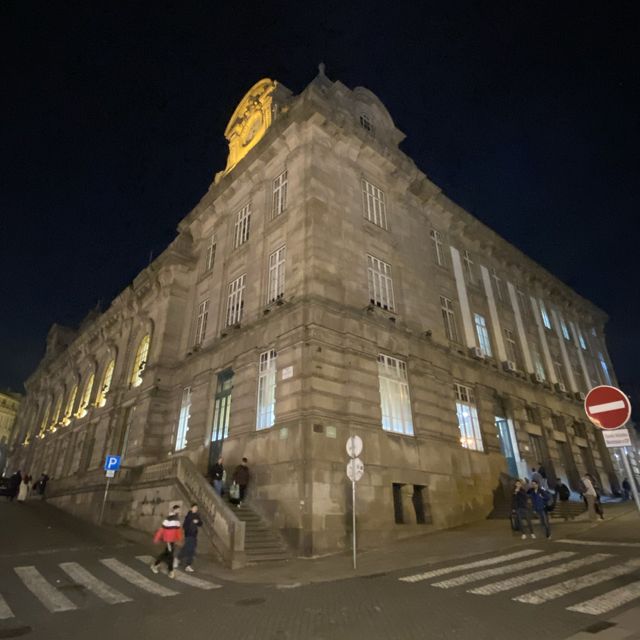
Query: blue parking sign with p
{"x": 112, "y": 463}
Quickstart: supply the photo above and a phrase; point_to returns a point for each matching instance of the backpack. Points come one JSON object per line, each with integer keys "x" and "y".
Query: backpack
{"x": 563, "y": 492}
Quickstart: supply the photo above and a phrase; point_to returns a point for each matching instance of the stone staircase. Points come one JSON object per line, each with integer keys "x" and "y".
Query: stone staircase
{"x": 261, "y": 543}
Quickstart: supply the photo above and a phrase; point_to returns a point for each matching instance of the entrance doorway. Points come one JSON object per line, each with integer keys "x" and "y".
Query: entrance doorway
{"x": 507, "y": 445}
{"x": 222, "y": 411}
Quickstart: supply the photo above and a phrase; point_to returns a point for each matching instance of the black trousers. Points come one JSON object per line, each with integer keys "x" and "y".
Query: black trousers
{"x": 167, "y": 556}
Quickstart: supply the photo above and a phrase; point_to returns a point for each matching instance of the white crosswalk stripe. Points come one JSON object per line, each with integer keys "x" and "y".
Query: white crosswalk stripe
{"x": 136, "y": 578}
{"x": 536, "y": 576}
{"x": 5, "y": 610}
{"x": 81, "y": 576}
{"x": 418, "y": 577}
{"x": 184, "y": 578}
{"x": 599, "y": 543}
{"x": 561, "y": 589}
{"x": 510, "y": 568}
{"x": 609, "y": 601}
{"x": 50, "y": 597}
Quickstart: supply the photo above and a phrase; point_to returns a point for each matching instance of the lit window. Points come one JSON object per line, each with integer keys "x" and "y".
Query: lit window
{"x": 449, "y": 318}
{"x": 438, "y": 247}
{"x": 201, "y": 325}
{"x": 605, "y": 369}
{"x": 241, "y": 229}
{"x": 56, "y": 413}
{"x": 140, "y": 362}
{"x": 210, "y": 255}
{"x": 69, "y": 407}
{"x": 380, "y": 284}
{"x": 582, "y": 341}
{"x": 483, "y": 335}
{"x": 275, "y": 289}
{"x": 468, "y": 423}
{"x": 235, "y": 301}
{"x": 467, "y": 263}
{"x": 366, "y": 123}
{"x": 497, "y": 283}
{"x": 183, "y": 420}
{"x": 545, "y": 316}
{"x": 86, "y": 394}
{"x": 511, "y": 346}
{"x": 373, "y": 204}
{"x": 593, "y": 332}
{"x": 266, "y": 411}
{"x": 101, "y": 400}
{"x": 394, "y": 395}
{"x": 564, "y": 329}
{"x": 280, "y": 194}
{"x": 45, "y": 421}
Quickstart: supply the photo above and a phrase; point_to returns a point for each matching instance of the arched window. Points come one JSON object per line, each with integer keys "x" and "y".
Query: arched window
{"x": 86, "y": 394}
{"x": 140, "y": 363}
{"x": 101, "y": 400}
{"x": 69, "y": 408}
{"x": 45, "y": 421}
{"x": 55, "y": 417}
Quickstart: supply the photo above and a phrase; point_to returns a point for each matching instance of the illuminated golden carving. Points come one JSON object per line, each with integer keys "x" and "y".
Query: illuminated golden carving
{"x": 249, "y": 121}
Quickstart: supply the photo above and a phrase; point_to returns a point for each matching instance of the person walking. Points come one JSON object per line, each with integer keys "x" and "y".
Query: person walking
{"x": 241, "y": 478}
{"x": 589, "y": 494}
{"x": 520, "y": 504}
{"x": 598, "y": 502}
{"x": 192, "y": 522}
{"x": 539, "y": 500}
{"x": 23, "y": 489}
{"x": 219, "y": 476}
{"x": 542, "y": 472}
{"x": 14, "y": 485}
{"x": 40, "y": 485}
{"x": 563, "y": 494}
{"x": 169, "y": 534}
{"x": 626, "y": 488}
{"x": 535, "y": 476}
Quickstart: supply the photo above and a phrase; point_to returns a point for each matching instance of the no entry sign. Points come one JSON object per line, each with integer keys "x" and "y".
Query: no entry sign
{"x": 607, "y": 407}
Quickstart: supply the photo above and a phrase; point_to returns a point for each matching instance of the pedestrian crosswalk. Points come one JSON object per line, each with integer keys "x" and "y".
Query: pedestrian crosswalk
{"x": 527, "y": 576}
{"x": 111, "y": 581}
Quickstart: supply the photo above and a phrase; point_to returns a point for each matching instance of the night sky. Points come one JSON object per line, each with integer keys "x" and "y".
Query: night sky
{"x": 112, "y": 116}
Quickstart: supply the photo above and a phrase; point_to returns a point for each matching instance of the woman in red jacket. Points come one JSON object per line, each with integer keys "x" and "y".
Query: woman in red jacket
{"x": 169, "y": 533}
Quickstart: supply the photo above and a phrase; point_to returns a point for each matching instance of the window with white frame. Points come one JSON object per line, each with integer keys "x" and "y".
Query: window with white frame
{"x": 266, "y": 411}
{"x": 373, "y": 204}
{"x": 467, "y": 264}
{"x": 201, "y": 323}
{"x": 241, "y": 229}
{"x": 511, "y": 346}
{"x": 235, "y": 300}
{"x": 468, "y": 423}
{"x": 605, "y": 368}
{"x": 210, "y": 254}
{"x": 275, "y": 288}
{"x": 280, "y": 194}
{"x": 581, "y": 340}
{"x": 545, "y": 316}
{"x": 483, "y": 335}
{"x": 564, "y": 329}
{"x": 394, "y": 395}
{"x": 183, "y": 419}
{"x": 366, "y": 123}
{"x": 380, "y": 284}
{"x": 438, "y": 247}
{"x": 449, "y": 318}
{"x": 497, "y": 284}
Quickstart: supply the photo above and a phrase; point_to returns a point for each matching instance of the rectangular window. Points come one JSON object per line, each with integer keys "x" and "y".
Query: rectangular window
{"x": 545, "y": 316}
{"x": 266, "y": 413}
{"x": 605, "y": 369}
{"x": 380, "y": 284}
{"x": 537, "y": 449}
{"x": 524, "y": 307}
{"x": 468, "y": 423}
{"x": 201, "y": 325}
{"x": 537, "y": 363}
{"x": 530, "y": 414}
{"x": 373, "y": 204}
{"x": 564, "y": 329}
{"x": 241, "y": 230}
{"x": 558, "y": 366}
{"x": 511, "y": 346}
{"x": 275, "y": 289}
{"x": 581, "y": 340}
{"x": 394, "y": 395}
{"x": 183, "y": 420}
{"x": 497, "y": 284}
{"x": 210, "y": 256}
{"x": 280, "y": 194}
{"x": 221, "y": 413}
{"x": 483, "y": 335}
{"x": 467, "y": 263}
{"x": 449, "y": 318}
{"x": 438, "y": 247}
{"x": 235, "y": 301}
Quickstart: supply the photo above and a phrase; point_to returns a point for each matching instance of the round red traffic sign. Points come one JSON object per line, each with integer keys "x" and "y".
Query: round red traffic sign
{"x": 607, "y": 407}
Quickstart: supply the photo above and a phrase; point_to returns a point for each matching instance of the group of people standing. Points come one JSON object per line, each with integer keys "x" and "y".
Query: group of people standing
{"x": 19, "y": 486}
{"x": 240, "y": 481}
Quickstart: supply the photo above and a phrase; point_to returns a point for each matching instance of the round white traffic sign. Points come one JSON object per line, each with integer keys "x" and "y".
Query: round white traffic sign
{"x": 355, "y": 469}
{"x": 354, "y": 446}
{"x": 607, "y": 407}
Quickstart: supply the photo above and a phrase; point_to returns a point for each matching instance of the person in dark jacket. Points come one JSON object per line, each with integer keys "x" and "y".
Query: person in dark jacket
{"x": 192, "y": 522}
{"x": 539, "y": 500}
{"x": 40, "y": 485}
{"x": 520, "y": 504}
{"x": 626, "y": 487}
{"x": 218, "y": 474}
{"x": 14, "y": 485}
{"x": 241, "y": 478}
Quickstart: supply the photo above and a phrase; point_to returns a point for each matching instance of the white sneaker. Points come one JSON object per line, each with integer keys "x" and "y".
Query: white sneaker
{"x": 172, "y": 574}
{"x": 524, "y": 536}
{"x": 154, "y": 568}
{"x": 189, "y": 569}
{"x": 533, "y": 535}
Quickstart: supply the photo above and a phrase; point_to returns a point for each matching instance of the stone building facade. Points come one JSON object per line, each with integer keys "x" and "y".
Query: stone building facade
{"x": 325, "y": 287}
{"x": 9, "y": 404}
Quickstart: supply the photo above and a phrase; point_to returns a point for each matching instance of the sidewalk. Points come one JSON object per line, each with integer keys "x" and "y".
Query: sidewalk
{"x": 483, "y": 537}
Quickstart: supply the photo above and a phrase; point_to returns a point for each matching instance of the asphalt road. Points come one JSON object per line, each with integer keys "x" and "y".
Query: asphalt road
{"x": 63, "y": 579}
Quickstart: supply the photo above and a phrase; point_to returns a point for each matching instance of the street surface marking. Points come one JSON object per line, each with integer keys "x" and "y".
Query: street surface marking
{"x": 471, "y": 565}
{"x": 93, "y": 584}
{"x": 185, "y": 578}
{"x": 608, "y": 601}
{"x": 527, "y": 578}
{"x": 607, "y": 406}
{"x": 570, "y": 586}
{"x": 50, "y": 597}
{"x": 5, "y": 611}
{"x": 137, "y": 579}
{"x": 510, "y": 568}
{"x": 600, "y": 543}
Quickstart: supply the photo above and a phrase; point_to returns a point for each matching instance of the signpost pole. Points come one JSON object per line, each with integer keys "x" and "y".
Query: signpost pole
{"x": 630, "y": 476}
{"x": 104, "y": 500}
{"x": 353, "y": 510}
